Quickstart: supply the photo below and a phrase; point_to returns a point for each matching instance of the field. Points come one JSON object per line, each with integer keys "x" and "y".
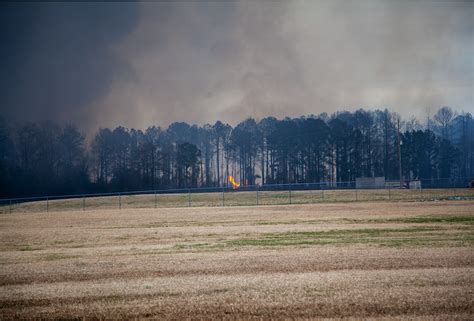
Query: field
{"x": 379, "y": 260}
{"x": 235, "y": 198}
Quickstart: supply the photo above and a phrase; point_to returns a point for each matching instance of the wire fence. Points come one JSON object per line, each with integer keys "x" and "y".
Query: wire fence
{"x": 271, "y": 194}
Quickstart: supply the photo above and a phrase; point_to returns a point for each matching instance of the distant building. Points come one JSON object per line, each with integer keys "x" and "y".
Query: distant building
{"x": 415, "y": 184}
{"x": 370, "y": 182}
{"x": 407, "y": 184}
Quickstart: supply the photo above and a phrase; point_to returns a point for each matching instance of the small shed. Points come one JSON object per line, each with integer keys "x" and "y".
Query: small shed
{"x": 370, "y": 182}
{"x": 415, "y": 184}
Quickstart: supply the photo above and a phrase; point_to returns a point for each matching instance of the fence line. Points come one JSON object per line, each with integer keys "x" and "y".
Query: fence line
{"x": 296, "y": 193}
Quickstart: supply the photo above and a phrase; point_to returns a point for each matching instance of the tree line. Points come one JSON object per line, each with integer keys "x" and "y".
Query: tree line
{"x": 48, "y": 159}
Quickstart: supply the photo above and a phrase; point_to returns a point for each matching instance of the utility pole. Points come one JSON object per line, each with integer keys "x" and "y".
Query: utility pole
{"x": 399, "y": 154}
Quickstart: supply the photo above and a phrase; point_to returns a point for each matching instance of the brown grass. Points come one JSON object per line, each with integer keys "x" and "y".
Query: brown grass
{"x": 235, "y": 198}
{"x": 376, "y": 260}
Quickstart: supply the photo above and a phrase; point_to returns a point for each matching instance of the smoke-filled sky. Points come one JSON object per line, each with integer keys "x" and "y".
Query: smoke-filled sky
{"x": 141, "y": 64}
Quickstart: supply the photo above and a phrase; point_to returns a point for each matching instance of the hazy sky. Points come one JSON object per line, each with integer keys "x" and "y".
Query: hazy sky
{"x": 142, "y": 64}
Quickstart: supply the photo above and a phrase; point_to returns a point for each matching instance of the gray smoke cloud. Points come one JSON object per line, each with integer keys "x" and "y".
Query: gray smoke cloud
{"x": 205, "y": 61}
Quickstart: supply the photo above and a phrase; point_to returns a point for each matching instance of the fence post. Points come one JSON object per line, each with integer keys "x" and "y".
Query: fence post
{"x": 47, "y": 204}
{"x": 322, "y": 193}
{"x": 189, "y": 197}
{"x": 257, "y": 195}
{"x": 223, "y": 196}
{"x": 10, "y": 206}
{"x": 389, "y": 196}
{"x": 289, "y": 190}
{"x": 357, "y": 195}
{"x": 83, "y": 203}
{"x": 156, "y": 200}
{"x": 120, "y": 201}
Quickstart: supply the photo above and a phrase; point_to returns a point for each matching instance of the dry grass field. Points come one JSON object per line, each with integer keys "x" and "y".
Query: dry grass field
{"x": 236, "y": 198}
{"x": 376, "y": 260}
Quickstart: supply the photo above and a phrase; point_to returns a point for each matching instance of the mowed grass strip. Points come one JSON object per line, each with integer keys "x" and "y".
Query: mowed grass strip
{"x": 463, "y": 219}
{"x": 453, "y": 219}
{"x": 410, "y": 236}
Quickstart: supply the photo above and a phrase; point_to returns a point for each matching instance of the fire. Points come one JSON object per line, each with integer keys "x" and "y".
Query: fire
{"x": 234, "y": 184}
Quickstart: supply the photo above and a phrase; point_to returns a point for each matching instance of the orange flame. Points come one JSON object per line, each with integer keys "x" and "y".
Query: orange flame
{"x": 234, "y": 184}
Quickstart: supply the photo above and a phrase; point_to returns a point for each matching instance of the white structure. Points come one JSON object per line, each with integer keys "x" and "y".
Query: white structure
{"x": 414, "y": 184}
{"x": 370, "y": 182}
